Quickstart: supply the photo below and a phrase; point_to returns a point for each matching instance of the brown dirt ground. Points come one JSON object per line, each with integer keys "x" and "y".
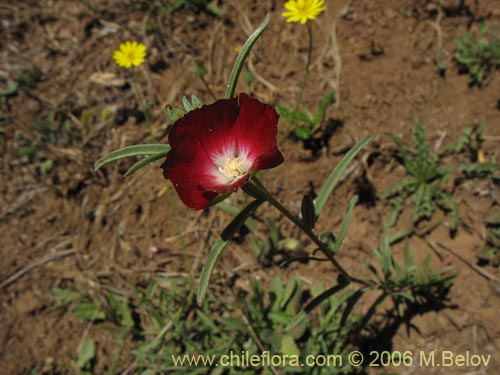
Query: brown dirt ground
{"x": 108, "y": 224}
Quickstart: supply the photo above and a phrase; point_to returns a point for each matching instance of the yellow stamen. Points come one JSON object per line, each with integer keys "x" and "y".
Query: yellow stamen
{"x": 232, "y": 168}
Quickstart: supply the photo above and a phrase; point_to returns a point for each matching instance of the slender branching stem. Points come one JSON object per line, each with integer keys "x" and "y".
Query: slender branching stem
{"x": 308, "y": 65}
{"x": 142, "y": 104}
{"x": 302, "y": 86}
{"x": 309, "y": 232}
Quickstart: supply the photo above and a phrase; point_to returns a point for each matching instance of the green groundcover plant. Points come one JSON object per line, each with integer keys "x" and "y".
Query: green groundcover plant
{"x": 479, "y": 56}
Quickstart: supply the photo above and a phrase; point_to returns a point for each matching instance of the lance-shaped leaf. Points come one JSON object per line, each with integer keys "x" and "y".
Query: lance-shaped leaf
{"x": 334, "y": 177}
{"x": 342, "y": 282}
{"x": 345, "y": 224}
{"x": 250, "y": 223}
{"x": 220, "y": 245}
{"x": 144, "y": 162}
{"x": 126, "y": 152}
{"x": 240, "y": 59}
{"x": 187, "y": 106}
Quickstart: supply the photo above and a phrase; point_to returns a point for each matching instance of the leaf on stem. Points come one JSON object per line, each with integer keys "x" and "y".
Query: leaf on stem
{"x": 126, "y": 152}
{"x": 334, "y": 177}
{"x": 315, "y": 302}
{"x": 345, "y": 224}
{"x": 220, "y": 245}
{"x": 240, "y": 59}
{"x": 144, "y": 162}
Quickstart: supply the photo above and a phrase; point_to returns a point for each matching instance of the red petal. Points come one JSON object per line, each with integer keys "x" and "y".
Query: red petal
{"x": 188, "y": 167}
{"x": 192, "y": 194}
{"x": 256, "y": 130}
{"x": 211, "y": 126}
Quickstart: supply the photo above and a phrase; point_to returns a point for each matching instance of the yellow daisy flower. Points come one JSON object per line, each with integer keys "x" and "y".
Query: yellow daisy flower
{"x": 130, "y": 54}
{"x": 303, "y": 10}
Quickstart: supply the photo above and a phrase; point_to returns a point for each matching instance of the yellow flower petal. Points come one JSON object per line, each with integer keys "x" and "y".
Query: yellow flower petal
{"x": 303, "y": 10}
{"x": 130, "y": 53}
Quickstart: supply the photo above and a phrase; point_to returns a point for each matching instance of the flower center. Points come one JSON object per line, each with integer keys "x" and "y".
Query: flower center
{"x": 303, "y": 10}
{"x": 232, "y": 168}
{"x": 130, "y": 55}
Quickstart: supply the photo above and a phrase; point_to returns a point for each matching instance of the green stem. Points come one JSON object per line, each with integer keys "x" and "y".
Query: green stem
{"x": 302, "y": 86}
{"x": 308, "y": 64}
{"x": 321, "y": 246}
{"x": 142, "y": 104}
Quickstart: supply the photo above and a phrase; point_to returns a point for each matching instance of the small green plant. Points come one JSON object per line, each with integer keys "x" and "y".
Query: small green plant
{"x": 22, "y": 78}
{"x": 479, "y": 56}
{"x": 425, "y": 184}
{"x": 491, "y": 252}
{"x": 471, "y": 142}
{"x": 439, "y": 60}
{"x": 408, "y": 283}
{"x": 303, "y": 123}
{"x": 49, "y": 130}
{"x": 176, "y": 327}
{"x": 283, "y": 327}
{"x": 112, "y": 314}
{"x": 254, "y": 323}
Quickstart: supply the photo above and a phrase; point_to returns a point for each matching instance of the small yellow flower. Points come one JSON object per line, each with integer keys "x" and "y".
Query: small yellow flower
{"x": 130, "y": 54}
{"x": 303, "y": 10}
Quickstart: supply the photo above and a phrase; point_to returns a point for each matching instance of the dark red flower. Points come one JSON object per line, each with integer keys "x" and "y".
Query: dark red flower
{"x": 214, "y": 148}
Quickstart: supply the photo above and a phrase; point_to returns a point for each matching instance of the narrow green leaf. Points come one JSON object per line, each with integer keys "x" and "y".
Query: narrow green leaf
{"x": 240, "y": 59}
{"x": 234, "y": 324}
{"x": 345, "y": 224}
{"x": 315, "y": 302}
{"x": 250, "y": 223}
{"x": 255, "y": 191}
{"x": 207, "y": 321}
{"x": 144, "y": 162}
{"x": 187, "y": 106}
{"x": 351, "y": 302}
{"x": 370, "y": 313}
{"x": 334, "y": 177}
{"x": 196, "y": 102}
{"x": 158, "y": 339}
{"x": 129, "y": 151}
{"x": 174, "y": 114}
{"x": 219, "y": 198}
{"x": 220, "y": 245}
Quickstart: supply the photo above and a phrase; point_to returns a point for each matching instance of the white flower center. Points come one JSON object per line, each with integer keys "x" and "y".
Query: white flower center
{"x": 233, "y": 168}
